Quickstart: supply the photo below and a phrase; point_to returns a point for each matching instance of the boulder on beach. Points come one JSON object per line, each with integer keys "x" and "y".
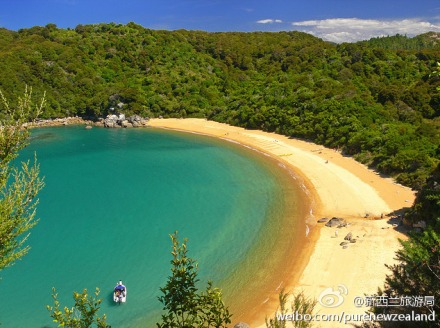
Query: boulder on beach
{"x": 241, "y": 325}
{"x": 335, "y": 222}
{"x": 323, "y": 220}
{"x": 349, "y": 236}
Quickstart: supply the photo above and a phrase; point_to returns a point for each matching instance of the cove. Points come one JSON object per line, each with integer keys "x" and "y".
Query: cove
{"x": 111, "y": 199}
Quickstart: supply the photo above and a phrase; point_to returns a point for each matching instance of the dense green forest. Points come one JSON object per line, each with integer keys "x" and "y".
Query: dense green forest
{"x": 375, "y": 100}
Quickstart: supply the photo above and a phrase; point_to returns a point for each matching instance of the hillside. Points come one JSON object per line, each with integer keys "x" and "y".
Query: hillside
{"x": 375, "y": 99}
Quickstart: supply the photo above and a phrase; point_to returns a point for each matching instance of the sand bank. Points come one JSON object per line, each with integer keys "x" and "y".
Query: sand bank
{"x": 340, "y": 187}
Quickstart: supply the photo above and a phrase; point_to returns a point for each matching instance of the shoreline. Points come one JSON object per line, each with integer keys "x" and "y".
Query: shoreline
{"x": 338, "y": 186}
{"x": 280, "y": 243}
{"x": 341, "y": 187}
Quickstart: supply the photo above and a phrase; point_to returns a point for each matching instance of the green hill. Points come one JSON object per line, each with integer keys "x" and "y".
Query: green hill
{"x": 374, "y": 100}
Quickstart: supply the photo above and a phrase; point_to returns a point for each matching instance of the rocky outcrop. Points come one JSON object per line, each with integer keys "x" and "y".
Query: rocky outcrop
{"x": 111, "y": 121}
{"x": 118, "y": 121}
{"x": 57, "y": 122}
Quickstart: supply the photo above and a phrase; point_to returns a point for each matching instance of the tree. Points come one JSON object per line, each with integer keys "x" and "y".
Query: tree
{"x": 185, "y": 307}
{"x": 82, "y": 315}
{"x": 18, "y": 186}
{"x": 416, "y": 275}
{"x": 436, "y": 72}
{"x": 300, "y": 305}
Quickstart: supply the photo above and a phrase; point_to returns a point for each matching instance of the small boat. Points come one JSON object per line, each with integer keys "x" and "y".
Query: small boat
{"x": 120, "y": 293}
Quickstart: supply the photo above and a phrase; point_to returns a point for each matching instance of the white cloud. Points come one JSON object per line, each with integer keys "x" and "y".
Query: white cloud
{"x": 355, "y": 29}
{"x": 269, "y": 21}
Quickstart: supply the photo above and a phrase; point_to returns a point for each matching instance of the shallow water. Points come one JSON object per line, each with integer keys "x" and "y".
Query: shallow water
{"x": 111, "y": 199}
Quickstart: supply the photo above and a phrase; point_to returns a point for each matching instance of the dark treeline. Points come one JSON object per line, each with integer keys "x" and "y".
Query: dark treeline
{"x": 374, "y": 99}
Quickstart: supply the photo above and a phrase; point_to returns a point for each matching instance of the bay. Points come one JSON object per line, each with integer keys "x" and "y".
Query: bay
{"x": 111, "y": 199}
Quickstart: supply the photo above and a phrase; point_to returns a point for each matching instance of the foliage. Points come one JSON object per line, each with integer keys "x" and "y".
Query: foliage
{"x": 436, "y": 72}
{"x": 19, "y": 186}
{"x": 300, "y": 304}
{"x": 417, "y": 274}
{"x": 185, "y": 306}
{"x": 427, "y": 204}
{"x": 375, "y": 100}
{"x": 83, "y": 314}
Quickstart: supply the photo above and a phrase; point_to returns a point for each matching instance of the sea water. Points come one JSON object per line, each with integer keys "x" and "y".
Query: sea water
{"x": 111, "y": 199}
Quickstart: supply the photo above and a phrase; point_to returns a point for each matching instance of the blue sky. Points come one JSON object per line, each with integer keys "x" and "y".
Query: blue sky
{"x": 332, "y": 20}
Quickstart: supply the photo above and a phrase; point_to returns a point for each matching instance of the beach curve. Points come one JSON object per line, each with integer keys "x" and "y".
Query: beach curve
{"x": 341, "y": 187}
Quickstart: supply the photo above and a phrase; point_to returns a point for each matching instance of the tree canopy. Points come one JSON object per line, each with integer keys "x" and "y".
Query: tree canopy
{"x": 375, "y": 100}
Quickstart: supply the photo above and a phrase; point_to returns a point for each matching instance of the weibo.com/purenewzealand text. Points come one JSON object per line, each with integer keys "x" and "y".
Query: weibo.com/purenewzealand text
{"x": 351, "y": 317}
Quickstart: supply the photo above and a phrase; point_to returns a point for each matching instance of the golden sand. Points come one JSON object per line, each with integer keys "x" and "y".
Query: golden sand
{"x": 341, "y": 187}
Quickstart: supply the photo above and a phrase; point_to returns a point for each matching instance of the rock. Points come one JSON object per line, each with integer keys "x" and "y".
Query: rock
{"x": 134, "y": 118}
{"x": 126, "y": 124}
{"x": 420, "y": 224}
{"x": 322, "y": 220}
{"x": 241, "y": 325}
{"x": 349, "y": 236}
{"x": 88, "y": 127}
{"x": 111, "y": 121}
{"x": 334, "y": 222}
{"x": 353, "y": 240}
{"x": 345, "y": 246}
{"x": 344, "y": 243}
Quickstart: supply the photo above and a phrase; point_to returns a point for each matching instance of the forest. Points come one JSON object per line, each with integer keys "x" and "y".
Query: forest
{"x": 376, "y": 100}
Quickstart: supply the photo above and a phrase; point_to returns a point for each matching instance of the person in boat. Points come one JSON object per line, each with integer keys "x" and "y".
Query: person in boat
{"x": 120, "y": 289}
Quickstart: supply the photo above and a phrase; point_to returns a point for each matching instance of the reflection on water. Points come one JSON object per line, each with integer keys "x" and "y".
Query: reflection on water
{"x": 43, "y": 136}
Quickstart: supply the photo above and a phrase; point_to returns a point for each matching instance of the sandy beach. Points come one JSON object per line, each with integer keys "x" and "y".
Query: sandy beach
{"x": 340, "y": 187}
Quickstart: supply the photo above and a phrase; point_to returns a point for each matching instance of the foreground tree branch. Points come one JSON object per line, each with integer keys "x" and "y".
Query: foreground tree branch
{"x": 19, "y": 186}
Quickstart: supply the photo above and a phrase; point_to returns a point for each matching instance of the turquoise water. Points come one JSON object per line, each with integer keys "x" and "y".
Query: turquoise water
{"x": 111, "y": 199}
